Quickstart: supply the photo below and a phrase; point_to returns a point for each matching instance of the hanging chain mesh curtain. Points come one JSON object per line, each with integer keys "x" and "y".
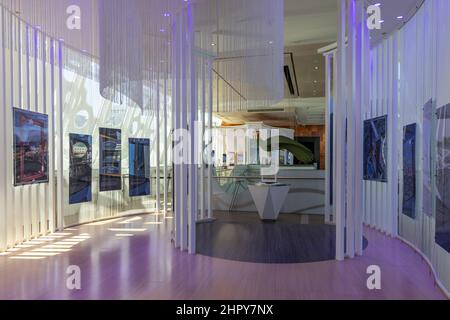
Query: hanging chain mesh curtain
{"x": 132, "y": 39}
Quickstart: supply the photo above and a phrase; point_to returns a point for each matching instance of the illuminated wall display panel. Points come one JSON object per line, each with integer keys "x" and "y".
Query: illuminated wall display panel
{"x": 80, "y": 176}
{"x": 443, "y": 178}
{"x": 409, "y": 170}
{"x": 427, "y": 159}
{"x": 110, "y": 159}
{"x": 30, "y": 147}
{"x": 139, "y": 161}
{"x": 375, "y": 149}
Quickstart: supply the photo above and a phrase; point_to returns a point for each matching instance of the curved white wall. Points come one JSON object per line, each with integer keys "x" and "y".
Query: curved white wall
{"x": 43, "y": 75}
{"x": 409, "y": 69}
{"x": 29, "y": 79}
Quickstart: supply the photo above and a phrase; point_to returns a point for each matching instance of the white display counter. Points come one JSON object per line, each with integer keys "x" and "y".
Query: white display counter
{"x": 306, "y": 194}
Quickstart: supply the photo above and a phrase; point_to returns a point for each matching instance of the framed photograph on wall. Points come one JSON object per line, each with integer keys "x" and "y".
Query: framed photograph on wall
{"x": 442, "y": 235}
{"x": 30, "y": 130}
{"x": 375, "y": 149}
{"x": 428, "y": 151}
{"x": 139, "y": 162}
{"x": 110, "y": 141}
{"x": 80, "y": 173}
{"x": 409, "y": 170}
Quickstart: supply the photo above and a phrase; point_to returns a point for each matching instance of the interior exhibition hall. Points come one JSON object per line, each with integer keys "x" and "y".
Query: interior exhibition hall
{"x": 224, "y": 150}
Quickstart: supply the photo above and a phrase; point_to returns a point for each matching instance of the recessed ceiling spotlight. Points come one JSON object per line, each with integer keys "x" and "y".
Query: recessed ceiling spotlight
{"x": 377, "y": 4}
{"x": 400, "y": 17}
{"x": 213, "y": 44}
{"x": 381, "y": 21}
{"x": 316, "y": 68}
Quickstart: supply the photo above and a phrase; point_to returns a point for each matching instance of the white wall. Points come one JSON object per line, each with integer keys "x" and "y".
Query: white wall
{"x": 26, "y": 211}
{"x": 423, "y": 73}
{"x": 83, "y": 100}
{"x": 31, "y": 78}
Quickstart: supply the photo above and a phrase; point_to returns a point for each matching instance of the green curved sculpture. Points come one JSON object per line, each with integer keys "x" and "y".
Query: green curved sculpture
{"x": 302, "y": 153}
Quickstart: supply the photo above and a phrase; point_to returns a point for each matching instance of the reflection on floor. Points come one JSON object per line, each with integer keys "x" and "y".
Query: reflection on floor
{"x": 123, "y": 261}
{"x": 294, "y": 238}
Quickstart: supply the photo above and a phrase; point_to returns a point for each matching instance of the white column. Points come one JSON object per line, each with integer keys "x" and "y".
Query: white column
{"x": 18, "y": 192}
{"x": 203, "y": 145}
{"x": 340, "y": 115}
{"x": 210, "y": 137}
{"x": 193, "y": 168}
{"x": 60, "y": 146}
{"x": 158, "y": 142}
{"x": 351, "y": 109}
{"x": 177, "y": 124}
{"x": 393, "y": 133}
{"x": 52, "y": 162}
{"x": 3, "y": 141}
{"x": 361, "y": 74}
{"x": 9, "y": 136}
{"x": 166, "y": 151}
{"x": 328, "y": 112}
{"x": 184, "y": 113}
{"x": 334, "y": 142}
{"x": 44, "y": 189}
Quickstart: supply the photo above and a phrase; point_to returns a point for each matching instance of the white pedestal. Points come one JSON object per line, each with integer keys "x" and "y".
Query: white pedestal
{"x": 269, "y": 199}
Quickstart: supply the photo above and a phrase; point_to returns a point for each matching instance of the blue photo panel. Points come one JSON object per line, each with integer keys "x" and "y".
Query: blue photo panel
{"x": 375, "y": 149}
{"x": 110, "y": 159}
{"x": 139, "y": 160}
{"x": 443, "y": 178}
{"x": 409, "y": 171}
{"x": 80, "y": 175}
{"x": 30, "y": 147}
{"x": 428, "y": 151}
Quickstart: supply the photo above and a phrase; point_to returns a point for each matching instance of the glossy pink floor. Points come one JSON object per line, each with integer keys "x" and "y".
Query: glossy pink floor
{"x": 142, "y": 264}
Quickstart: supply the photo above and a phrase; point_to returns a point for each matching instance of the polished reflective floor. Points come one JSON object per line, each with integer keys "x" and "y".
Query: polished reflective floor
{"x": 242, "y": 236}
{"x": 133, "y": 258}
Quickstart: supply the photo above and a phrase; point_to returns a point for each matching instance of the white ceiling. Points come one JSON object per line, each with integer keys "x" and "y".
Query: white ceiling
{"x": 315, "y": 21}
{"x": 391, "y": 11}
{"x": 310, "y": 21}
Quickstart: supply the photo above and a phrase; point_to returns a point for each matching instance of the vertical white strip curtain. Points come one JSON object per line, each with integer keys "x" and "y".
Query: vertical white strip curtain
{"x": 240, "y": 48}
{"x": 329, "y": 144}
{"x": 420, "y": 51}
{"x": 41, "y": 74}
{"x": 221, "y": 44}
{"x": 352, "y": 48}
{"x": 381, "y": 199}
{"x": 409, "y": 69}
{"x": 29, "y": 80}
{"x": 189, "y": 133}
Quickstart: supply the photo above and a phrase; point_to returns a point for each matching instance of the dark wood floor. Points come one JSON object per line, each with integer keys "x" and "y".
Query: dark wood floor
{"x": 244, "y": 237}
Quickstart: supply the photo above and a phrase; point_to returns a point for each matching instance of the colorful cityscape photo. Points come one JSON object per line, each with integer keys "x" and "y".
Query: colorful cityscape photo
{"x": 375, "y": 149}
{"x": 30, "y": 147}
